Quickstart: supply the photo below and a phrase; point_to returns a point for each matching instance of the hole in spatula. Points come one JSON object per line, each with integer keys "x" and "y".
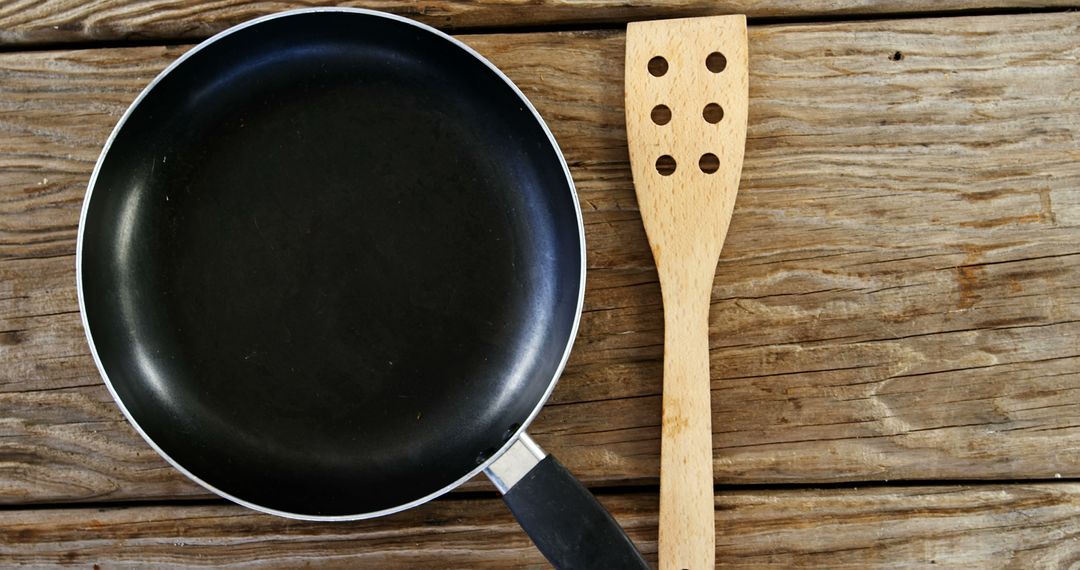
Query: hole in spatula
{"x": 709, "y": 163}
{"x": 713, "y": 113}
{"x": 661, "y": 115}
{"x": 657, "y": 66}
{"x": 716, "y": 62}
{"x": 665, "y": 165}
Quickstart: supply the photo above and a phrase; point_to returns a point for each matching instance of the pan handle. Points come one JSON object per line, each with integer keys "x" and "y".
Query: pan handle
{"x": 558, "y": 513}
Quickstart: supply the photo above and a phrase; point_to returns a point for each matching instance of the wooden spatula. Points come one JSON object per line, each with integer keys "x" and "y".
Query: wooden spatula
{"x": 686, "y": 104}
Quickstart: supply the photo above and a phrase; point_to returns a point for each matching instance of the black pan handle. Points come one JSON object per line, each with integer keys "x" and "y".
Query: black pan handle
{"x": 558, "y": 513}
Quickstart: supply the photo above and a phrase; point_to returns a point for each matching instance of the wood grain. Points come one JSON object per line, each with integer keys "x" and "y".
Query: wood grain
{"x": 686, "y": 212}
{"x": 897, "y": 297}
{"x": 992, "y": 526}
{"x": 29, "y": 22}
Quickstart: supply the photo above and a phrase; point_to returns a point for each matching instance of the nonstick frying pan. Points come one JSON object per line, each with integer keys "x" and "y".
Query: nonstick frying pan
{"x": 331, "y": 264}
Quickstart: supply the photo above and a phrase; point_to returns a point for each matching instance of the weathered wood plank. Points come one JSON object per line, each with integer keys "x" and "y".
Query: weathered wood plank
{"x": 28, "y": 22}
{"x": 897, "y": 298}
{"x": 994, "y": 526}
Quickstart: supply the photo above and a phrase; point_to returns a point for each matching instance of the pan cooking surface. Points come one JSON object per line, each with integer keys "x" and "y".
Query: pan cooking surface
{"x": 330, "y": 263}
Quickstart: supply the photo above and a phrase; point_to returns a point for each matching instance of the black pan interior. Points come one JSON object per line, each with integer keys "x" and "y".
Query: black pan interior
{"x": 331, "y": 262}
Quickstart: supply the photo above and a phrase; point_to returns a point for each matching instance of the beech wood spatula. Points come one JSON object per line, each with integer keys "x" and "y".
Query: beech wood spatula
{"x": 686, "y": 106}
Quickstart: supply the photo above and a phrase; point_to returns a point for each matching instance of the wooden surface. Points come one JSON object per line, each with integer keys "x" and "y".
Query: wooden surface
{"x": 674, "y": 71}
{"x": 986, "y": 526}
{"x": 897, "y": 301}
{"x": 30, "y": 22}
{"x": 897, "y": 297}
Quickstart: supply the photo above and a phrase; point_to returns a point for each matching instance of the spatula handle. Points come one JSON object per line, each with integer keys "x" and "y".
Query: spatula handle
{"x": 687, "y": 534}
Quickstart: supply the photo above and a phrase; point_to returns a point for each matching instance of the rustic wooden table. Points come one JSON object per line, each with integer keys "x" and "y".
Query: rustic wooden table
{"x": 895, "y": 329}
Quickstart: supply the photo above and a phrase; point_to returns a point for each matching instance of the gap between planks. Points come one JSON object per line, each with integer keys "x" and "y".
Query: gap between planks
{"x": 996, "y": 526}
{"x": 553, "y": 16}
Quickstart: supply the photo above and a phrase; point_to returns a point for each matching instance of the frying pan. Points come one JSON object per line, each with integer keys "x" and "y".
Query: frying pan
{"x": 331, "y": 265}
